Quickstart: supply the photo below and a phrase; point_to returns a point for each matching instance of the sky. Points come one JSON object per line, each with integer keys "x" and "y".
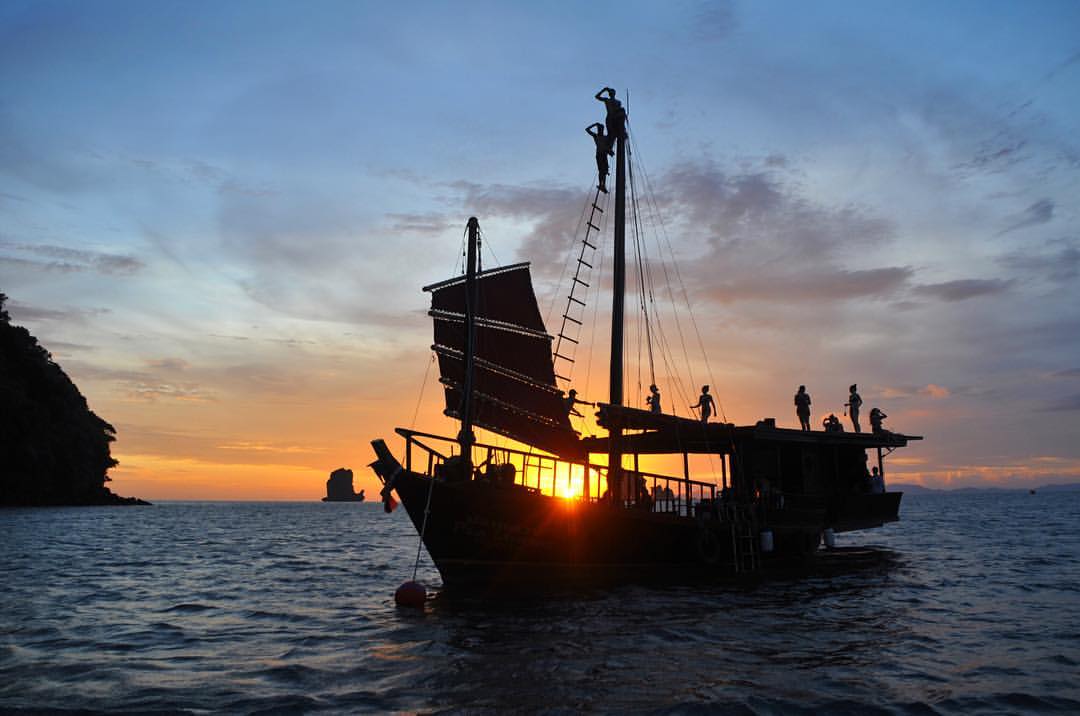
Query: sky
{"x": 217, "y": 216}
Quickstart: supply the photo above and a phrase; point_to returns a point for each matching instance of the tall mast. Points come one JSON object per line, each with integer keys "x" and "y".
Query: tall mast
{"x": 466, "y": 438}
{"x": 615, "y": 387}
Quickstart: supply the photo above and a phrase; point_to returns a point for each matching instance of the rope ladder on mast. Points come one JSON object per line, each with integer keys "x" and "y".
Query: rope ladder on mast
{"x": 575, "y": 304}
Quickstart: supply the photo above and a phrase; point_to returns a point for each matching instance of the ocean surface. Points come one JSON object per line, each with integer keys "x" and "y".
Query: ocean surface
{"x": 974, "y": 607}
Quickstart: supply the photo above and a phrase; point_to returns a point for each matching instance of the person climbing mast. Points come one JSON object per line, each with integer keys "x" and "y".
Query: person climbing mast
{"x": 603, "y": 149}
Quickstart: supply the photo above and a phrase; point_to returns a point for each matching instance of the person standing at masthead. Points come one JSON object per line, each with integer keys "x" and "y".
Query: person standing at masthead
{"x": 616, "y": 114}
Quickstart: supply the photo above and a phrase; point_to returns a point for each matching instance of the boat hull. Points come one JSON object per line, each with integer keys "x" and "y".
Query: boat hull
{"x": 488, "y": 535}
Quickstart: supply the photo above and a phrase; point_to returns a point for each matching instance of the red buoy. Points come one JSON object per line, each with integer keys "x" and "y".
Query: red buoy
{"x": 411, "y": 594}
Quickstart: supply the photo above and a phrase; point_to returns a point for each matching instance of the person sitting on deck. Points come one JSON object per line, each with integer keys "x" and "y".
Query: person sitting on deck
{"x": 832, "y": 424}
{"x": 643, "y": 501}
{"x": 852, "y": 407}
{"x": 706, "y": 403}
{"x": 877, "y": 483}
{"x": 603, "y": 149}
{"x": 802, "y": 407}
{"x": 571, "y": 400}
{"x": 653, "y": 400}
{"x": 876, "y": 416}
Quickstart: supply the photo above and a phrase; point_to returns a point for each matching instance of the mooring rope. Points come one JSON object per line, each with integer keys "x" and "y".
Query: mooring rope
{"x": 423, "y": 527}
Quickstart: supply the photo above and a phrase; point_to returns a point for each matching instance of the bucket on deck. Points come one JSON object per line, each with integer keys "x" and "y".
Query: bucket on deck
{"x": 766, "y": 541}
{"x": 830, "y": 538}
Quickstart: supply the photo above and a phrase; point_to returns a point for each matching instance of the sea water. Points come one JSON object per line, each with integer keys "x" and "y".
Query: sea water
{"x": 974, "y": 607}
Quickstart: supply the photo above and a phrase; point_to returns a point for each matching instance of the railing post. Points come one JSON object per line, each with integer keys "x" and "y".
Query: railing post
{"x": 686, "y": 476}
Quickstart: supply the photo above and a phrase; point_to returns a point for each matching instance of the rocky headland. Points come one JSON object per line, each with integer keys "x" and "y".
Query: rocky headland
{"x": 53, "y": 449}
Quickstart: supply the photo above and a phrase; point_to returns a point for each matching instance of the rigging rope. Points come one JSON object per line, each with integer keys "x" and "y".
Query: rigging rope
{"x": 651, "y": 197}
{"x": 423, "y": 527}
{"x": 420, "y": 398}
{"x": 639, "y": 250}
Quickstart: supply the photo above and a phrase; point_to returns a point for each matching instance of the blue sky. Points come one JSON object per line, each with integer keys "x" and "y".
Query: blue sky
{"x": 217, "y": 215}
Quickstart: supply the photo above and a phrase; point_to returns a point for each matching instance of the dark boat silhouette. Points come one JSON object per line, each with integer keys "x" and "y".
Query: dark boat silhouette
{"x": 494, "y": 516}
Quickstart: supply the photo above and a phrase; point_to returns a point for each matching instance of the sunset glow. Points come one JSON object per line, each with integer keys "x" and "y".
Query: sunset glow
{"x": 218, "y": 220}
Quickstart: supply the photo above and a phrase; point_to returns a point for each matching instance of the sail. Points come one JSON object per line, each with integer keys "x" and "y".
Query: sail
{"x": 514, "y": 391}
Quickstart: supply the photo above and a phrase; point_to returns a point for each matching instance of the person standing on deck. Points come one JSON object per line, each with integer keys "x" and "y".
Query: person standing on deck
{"x": 852, "y": 406}
{"x": 877, "y": 483}
{"x": 706, "y": 403}
{"x": 802, "y": 407}
{"x": 603, "y": 149}
{"x": 653, "y": 399}
{"x": 616, "y": 115}
{"x": 876, "y": 416}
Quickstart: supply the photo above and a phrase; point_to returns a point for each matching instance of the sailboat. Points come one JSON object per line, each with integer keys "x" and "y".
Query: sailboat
{"x": 493, "y": 515}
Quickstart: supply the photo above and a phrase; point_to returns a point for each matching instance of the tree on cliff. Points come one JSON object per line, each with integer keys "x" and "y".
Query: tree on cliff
{"x": 53, "y": 449}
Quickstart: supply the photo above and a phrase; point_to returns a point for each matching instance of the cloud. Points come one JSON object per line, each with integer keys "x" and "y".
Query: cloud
{"x": 820, "y": 284}
{"x": 554, "y": 213}
{"x": 762, "y": 240}
{"x": 1040, "y": 212}
{"x": 935, "y": 391}
{"x": 963, "y": 289}
{"x": 1060, "y": 266}
{"x": 252, "y": 446}
{"x": 1067, "y": 373}
{"x": 431, "y": 223}
{"x": 997, "y": 154}
{"x": 68, "y": 260}
{"x": 930, "y": 390}
{"x": 172, "y": 364}
{"x": 167, "y": 391}
{"x": 713, "y": 21}
{"x": 23, "y": 312}
{"x": 1067, "y": 403}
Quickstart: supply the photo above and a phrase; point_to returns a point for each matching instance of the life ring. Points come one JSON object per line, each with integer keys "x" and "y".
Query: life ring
{"x": 708, "y": 546}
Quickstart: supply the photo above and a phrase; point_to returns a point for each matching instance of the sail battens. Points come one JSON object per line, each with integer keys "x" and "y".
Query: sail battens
{"x": 440, "y": 315}
{"x": 514, "y": 391}
{"x": 512, "y": 407}
{"x": 460, "y": 280}
{"x": 451, "y": 354}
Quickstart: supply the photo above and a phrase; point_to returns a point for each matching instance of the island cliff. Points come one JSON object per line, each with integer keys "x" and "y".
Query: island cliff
{"x": 53, "y": 449}
{"x": 339, "y": 487}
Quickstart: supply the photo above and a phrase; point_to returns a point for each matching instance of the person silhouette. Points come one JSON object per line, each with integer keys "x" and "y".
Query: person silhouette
{"x": 802, "y": 407}
{"x": 653, "y": 399}
{"x": 603, "y": 149}
{"x": 616, "y": 115}
{"x": 852, "y": 407}
{"x": 706, "y": 403}
{"x": 877, "y": 482}
{"x": 876, "y": 416}
{"x": 571, "y": 400}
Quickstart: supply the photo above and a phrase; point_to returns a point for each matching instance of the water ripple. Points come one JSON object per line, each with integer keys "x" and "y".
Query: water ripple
{"x": 969, "y": 608}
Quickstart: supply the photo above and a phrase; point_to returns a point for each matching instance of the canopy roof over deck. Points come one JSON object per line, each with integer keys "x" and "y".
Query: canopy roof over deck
{"x": 670, "y": 434}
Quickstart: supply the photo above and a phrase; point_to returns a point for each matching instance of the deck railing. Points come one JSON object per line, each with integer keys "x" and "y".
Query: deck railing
{"x": 554, "y": 477}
